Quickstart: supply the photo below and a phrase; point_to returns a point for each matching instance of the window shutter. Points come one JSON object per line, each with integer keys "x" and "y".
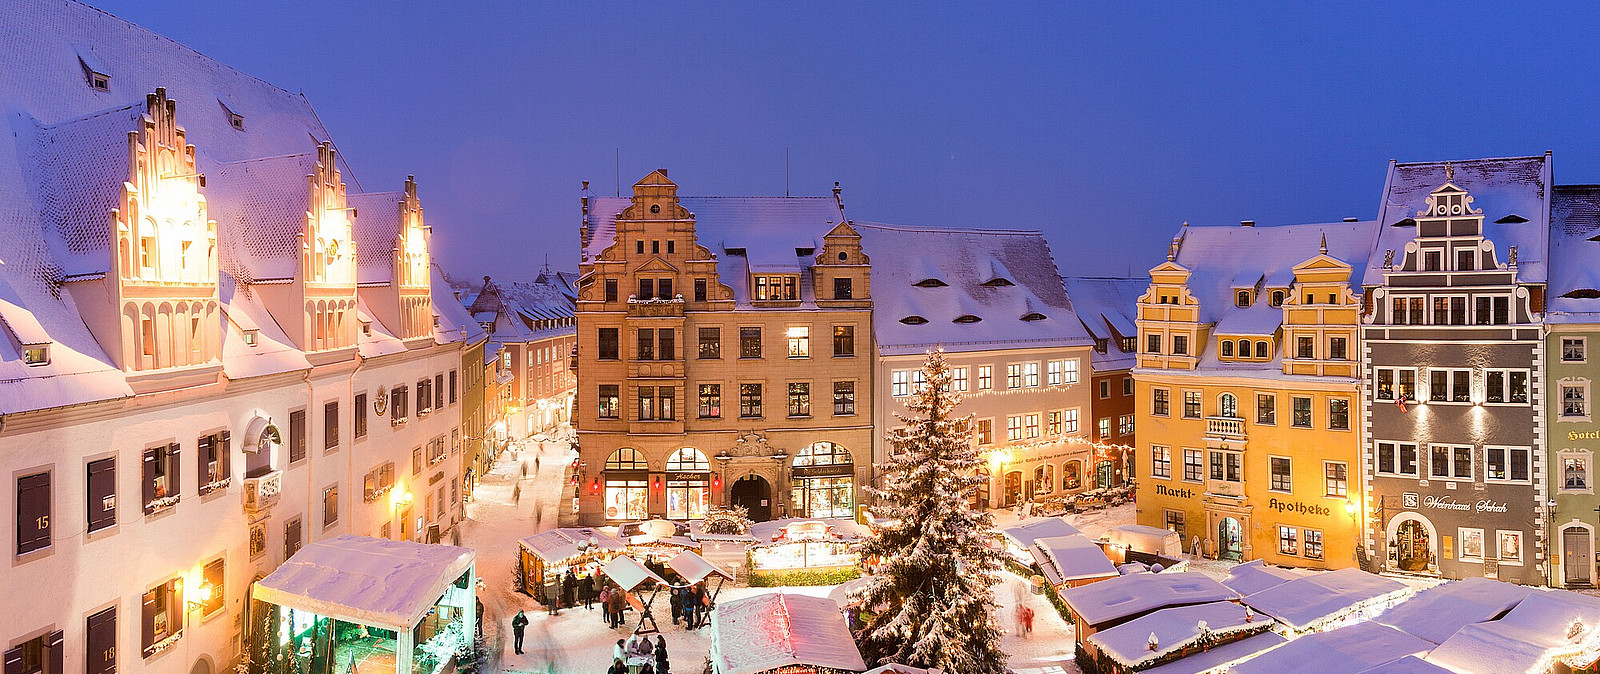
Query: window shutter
{"x": 149, "y": 482}
{"x": 291, "y": 539}
{"x": 172, "y": 469}
{"x": 297, "y": 435}
{"x": 33, "y": 513}
{"x": 147, "y": 620}
{"x": 54, "y": 652}
{"x": 102, "y": 486}
{"x": 175, "y": 606}
{"x": 102, "y": 642}
{"x": 225, "y": 454}
{"x": 203, "y": 454}
{"x": 13, "y": 659}
{"x": 438, "y": 390}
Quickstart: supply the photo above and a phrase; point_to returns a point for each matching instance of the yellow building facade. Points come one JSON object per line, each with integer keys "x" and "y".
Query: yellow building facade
{"x": 1247, "y": 393}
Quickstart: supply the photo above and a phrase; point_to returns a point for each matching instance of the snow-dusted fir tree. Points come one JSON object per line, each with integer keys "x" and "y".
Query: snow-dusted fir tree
{"x": 930, "y": 601}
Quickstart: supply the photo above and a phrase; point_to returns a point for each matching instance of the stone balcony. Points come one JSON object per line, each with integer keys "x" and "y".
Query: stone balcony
{"x": 1227, "y": 428}
{"x": 262, "y": 491}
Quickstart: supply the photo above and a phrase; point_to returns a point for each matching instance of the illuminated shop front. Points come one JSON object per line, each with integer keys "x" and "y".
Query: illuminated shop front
{"x": 688, "y": 484}
{"x": 805, "y": 545}
{"x": 627, "y": 485}
{"x": 354, "y": 603}
{"x": 824, "y": 481}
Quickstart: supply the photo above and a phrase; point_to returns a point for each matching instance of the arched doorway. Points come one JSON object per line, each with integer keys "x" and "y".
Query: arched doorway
{"x": 1413, "y": 547}
{"x": 688, "y": 484}
{"x": 1104, "y": 474}
{"x": 201, "y": 666}
{"x": 1577, "y": 556}
{"x": 824, "y": 481}
{"x": 754, "y": 494}
{"x": 1011, "y": 489}
{"x": 980, "y": 496}
{"x": 1230, "y": 539}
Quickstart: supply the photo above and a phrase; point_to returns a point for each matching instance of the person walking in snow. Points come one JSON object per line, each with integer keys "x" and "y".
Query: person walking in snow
{"x": 519, "y": 624}
{"x": 605, "y": 605}
{"x": 586, "y": 588}
{"x": 662, "y": 667}
{"x": 1025, "y": 613}
{"x": 676, "y": 602}
{"x": 569, "y": 590}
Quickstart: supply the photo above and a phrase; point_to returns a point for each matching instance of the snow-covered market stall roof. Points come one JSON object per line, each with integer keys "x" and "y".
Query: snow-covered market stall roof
{"x": 1024, "y": 533}
{"x": 1347, "y": 650}
{"x": 1311, "y": 602}
{"x": 1140, "y": 593}
{"x": 629, "y": 573}
{"x": 368, "y": 581}
{"x": 1545, "y": 628}
{"x": 1438, "y": 612}
{"x": 1070, "y": 558}
{"x": 1409, "y": 664}
{"x": 1254, "y": 576}
{"x": 559, "y": 544}
{"x": 1175, "y": 630}
{"x": 695, "y": 568}
{"x": 1220, "y": 658}
{"x": 771, "y": 631}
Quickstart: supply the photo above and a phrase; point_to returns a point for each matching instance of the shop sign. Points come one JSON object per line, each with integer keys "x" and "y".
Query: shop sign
{"x": 824, "y": 471}
{"x": 689, "y": 476}
{"x": 1298, "y": 508}
{"x": 1583, "y": 435}
{"x": 1450, "y": 503}
{"x": 1164, "y": 490}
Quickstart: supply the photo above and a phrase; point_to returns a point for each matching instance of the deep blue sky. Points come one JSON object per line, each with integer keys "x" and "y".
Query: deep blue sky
{"x": 1103, "y": 124}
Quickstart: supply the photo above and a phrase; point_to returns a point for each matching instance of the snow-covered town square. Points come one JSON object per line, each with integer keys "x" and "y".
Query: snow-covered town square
{"x": 514, "y": 337}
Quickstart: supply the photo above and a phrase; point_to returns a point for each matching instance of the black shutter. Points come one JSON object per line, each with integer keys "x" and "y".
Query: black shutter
{"x": 147, "y": 621}
{"x": 203, "y": 456}
{"x": 291, "y": 539}
{"x": 452, "y": 387}
{"x": 172, "y": 469}
{"x": 102, "y": 494}
{"x": 13, "y": 659}
{"x": 225, "y": 455}
{"x": 175, "y": 606}
{"x": 297, "y": 435}
{"x": 54, "y": 653}
{"x": 438, "y": 390}
{"x": 102, "y": 642}
{"x": 33, "y": 513}
{"x": 151, "y": 455}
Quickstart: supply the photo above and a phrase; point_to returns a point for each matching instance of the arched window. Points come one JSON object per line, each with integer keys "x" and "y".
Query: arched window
{"x": 687, "y": 459}
{"x": 1261, "y": 350}
{"x": 1244, "y": 348}
{"x": 823, "y": 454}
{"x": 1242, "y": 299}
{"x": 1072, "y": 475}
{"x": 627, "y": 458}
{"x": 1044, "y": 479}
{"x": 1277, "y": 298}
{"x": 1227, "y": 348}
{"x": 1230, "y": 405}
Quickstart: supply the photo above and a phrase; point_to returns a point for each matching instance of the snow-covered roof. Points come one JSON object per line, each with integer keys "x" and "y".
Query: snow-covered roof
{"x": 1574, "y": 295}
{"x": 455, "y": 324}
{"x": 1530, "y": 638}
{"x": 375, "y": 338}
{"x": 1075, "y": 557}
{"x": 1176, "y": 629}
{"x": 1305, "y": 602}
{"x": 1218, "y": 659}
{"x": 1025, "y": 532}
{"x": 1107, "y": 307}
{"x": 897, "y": 669}
{"x": 1254, "y": 576}
{"x": 260, "y": 209}
{"x": 1502, "y": 187}
{"x": 629, "y": 573}
{"x": 369, "y": 581}
{"x": 1347, "y": 650}
{"x": 515, "y": 310}
{"x": 1438, "y": 612}
{"x": 1216, "y": 257}
{"x": 557, "y": 545}
{"x": 769, "y": 631}
{"x": 1139, "y": 593}
{"x": 376, "y": 230}
{"x": 272, "y": 352}
{"x": 1005, "y": 278}
{"x": 695, "y": 568}
{"x": 1409, "y": 664}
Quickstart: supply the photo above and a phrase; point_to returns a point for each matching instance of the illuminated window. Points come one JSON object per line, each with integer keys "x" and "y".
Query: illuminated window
{"x": 799, "y": 341}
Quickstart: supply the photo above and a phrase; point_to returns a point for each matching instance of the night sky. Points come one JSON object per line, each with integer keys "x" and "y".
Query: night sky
{"x": 1104, "y": 124}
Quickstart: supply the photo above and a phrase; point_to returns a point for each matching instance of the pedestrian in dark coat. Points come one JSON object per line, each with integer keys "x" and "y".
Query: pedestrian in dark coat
{"x": 569, "y": 590}
{"x": 519, "y": 624}
{"x": 662, "y": 667}
{"x": 676, "y": 602}
{"x": 586, "y": 588}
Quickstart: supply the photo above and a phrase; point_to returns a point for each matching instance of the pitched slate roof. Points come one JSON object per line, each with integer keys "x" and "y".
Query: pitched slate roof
{"x": 376, "y": 230}
{"x": 1108, "y": 307}
{"x": 1574, "y": 255}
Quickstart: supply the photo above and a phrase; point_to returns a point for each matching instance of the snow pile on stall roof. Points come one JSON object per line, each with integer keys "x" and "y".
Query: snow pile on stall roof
{"x": 1075, "y": 557}
{"x": 1007, "y": 279}
{"x": 770, "y": 631}
{"x": 376, "y": 230}
{"x": 897, "y": 669}
{"x": 1254, "y": 576}
{"x": 455, "y": 324}
{"x": 1409, "y": 664}
{"x": 1546, "y": 627}
{"x": 1501, "y": 187}
{"x": 1139, "y": 593}
{"x": 1219, "y": 658}
{"x": 369, "y": 581}
{"x": 1438, "y": 612}
{"x": 694, "y": 568}
{"x": 1025, "y": 532}
{"x": 1306, "y": 602}
{"x": 847, "y": 529}
{"x": 1346, "y": 650}
{"x": 629, "y": 574}
{"x": 556, "y": 545}
{"x": 1574, "y": 248}
{"x": 1176, "y": 629}
{"x": 1107, "y": 307}
{"x": 273, "y": 351}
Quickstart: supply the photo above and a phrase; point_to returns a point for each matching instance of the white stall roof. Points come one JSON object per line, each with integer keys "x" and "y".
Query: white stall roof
{"x": 1438, "y": 612}
{"x": 1175, "y": 629}
{"x": 1409, "y": 664}
{"x": 1347, "y": 650}
{"x": 559, "y": 544}
{"x": 1254, "y": 576}
{"x": 1527, "y": 639}
{"x": 695, "y": 568}
{"x": 1075, "y": 557}
{"x": 1027, "y": 531}
{"x": 1131, "y": 595}
{"x": 1217, "y": 658}
{"x": 768, "y": 631}
{"x": 1303, "y": 602}
{"x": 629, "y": 573}
{"x": 1145, "y": 538}
{"x": 898, "y": 669}
{"x": 370, "y": 581}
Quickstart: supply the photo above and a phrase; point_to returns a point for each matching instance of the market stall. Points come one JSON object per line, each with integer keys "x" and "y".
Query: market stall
{"x": 803, "y": 551}
{"x": 1070, "y": 561}
{"x": 1019, "y": 537}
{"x": 694, "y": 569}
{"x": 782, "y": 633}
{"x": 634, "y": 579}
{"x": 544, "y": 557}
{"x": 657, "y": 540}
{"x": 366, "y": 604}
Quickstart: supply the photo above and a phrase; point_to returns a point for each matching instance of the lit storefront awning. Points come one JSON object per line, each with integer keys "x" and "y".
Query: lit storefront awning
{"x": 367, "y": 581}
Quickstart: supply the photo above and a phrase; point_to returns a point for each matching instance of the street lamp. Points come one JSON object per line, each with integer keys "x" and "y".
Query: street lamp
{"x": 201, "y": 596}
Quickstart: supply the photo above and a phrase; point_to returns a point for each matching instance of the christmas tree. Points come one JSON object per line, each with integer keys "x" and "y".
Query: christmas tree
{"x": 930, "y": 601}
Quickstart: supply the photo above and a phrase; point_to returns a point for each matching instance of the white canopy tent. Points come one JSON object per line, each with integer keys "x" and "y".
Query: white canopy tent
{"x": 695, "y": 568}
{"x": 629, "y": 573}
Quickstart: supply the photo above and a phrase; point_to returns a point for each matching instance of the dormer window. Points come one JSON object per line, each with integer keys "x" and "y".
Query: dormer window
{"x": 36, "y": 354}
{"x": 1227, "y": 348}
{"x": 366, "y": 329}
{"x": 1101, "y": 344}
{"x": 913, "y": 320}
{"x": 94, "y": 74}
{"x": 804, "y": 252}
{"x": 236, "y": 120}
{"x": 1242, "y": 299}
{"x": 1511, "y": 219}
{"x": 1036, "y": 316}
{"x": 966, "y": 318}
{"x": 1276, "y": 298}
{"x": 997, "y": 283}
{"x": 99, "y": 81}
{"x": 777, "y": 287}
{"x": 732, "y": 251}
{"x": 250, "y": 337}
{"x": 930, "y": 283}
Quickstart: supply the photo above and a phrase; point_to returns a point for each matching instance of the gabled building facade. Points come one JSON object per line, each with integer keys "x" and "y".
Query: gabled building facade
{"x": 1572, "y": 332}
{"x": 1108, "y": 309}
{"x": 723, "y": 356}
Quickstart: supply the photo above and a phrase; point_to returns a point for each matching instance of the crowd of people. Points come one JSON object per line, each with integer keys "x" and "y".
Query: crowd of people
{"x": 640, "y": 656}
